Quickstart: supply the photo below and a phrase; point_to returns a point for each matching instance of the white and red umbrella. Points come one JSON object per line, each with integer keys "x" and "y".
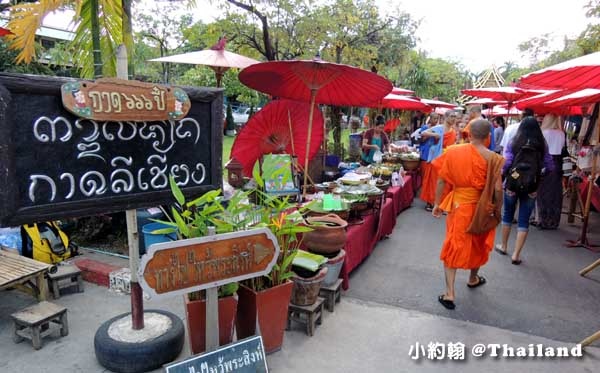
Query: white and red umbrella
{"x": 577, "y": 73}
{"x": 508, "y": 94}
{"x": 402, "y": 91}
{"x": 437, "y": 103}
{"x": 485, "y": 101}
{"x": 393, "y": 101}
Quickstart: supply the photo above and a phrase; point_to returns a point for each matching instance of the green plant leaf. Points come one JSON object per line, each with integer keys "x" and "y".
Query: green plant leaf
{"x": 177, "y": 193}
{"x": 183, "y": 228}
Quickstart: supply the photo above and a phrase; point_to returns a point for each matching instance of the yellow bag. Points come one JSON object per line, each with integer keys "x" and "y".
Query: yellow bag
{"x": 46, "y": 242}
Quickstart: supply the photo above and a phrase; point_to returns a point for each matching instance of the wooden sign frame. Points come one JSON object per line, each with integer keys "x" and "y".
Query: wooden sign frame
{"x": 186, "y": 260}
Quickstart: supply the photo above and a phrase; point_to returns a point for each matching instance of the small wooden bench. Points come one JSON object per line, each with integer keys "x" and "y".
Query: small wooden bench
{"x": 33, "y": 322}
{"x": 310, "y": 316}
{"x": 332, "y": 294}
{"x": 24, "y": 274}
{"x": 67, "y": 276}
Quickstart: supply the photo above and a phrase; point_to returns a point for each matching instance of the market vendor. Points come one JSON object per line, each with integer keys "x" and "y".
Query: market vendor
{"x": 374, "y": 139}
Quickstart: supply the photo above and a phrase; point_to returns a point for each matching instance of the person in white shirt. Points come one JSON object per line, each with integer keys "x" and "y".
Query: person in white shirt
{"x": 549, "y": 200}
{"x": 511, "y": 131}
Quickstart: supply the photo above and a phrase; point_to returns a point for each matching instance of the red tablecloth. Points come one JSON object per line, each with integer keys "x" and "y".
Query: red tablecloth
{"x": 387, "y": 219}
{"x": 360, "y": 242}
{"x": 417, "y": 179}
{"x": 402, "y": 196}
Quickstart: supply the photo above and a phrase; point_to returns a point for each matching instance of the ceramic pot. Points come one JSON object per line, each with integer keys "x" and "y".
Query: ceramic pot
{"x": 306, "y": 290}
{"x": 334, "y": 267}
{"x": 328, "y": 234}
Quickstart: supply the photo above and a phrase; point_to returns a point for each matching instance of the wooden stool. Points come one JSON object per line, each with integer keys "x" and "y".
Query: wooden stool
{"x": 33, "y": 322}
{"x": 332, "y": 294}
{"x": 307, "y": 315}
{"x": 65, "y": 277}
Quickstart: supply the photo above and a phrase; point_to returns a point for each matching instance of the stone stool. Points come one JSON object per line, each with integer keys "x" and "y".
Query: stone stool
{"x": 66, "y": 276}
{"x": 332, "y": 294}
{"x": 307, "y": 315}
{"x": 33, "y": 322}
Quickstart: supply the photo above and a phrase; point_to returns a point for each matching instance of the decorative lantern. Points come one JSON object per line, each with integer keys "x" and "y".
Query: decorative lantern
{"x": 234, "y": 173}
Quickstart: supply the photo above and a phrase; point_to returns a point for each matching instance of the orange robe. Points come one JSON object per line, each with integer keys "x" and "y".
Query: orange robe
{"x": 461, "y": 249}
{"x": 429, "y": 172}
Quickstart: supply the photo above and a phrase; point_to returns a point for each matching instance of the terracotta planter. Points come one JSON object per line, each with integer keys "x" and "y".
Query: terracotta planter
{"x": 195, "y": 311}
{"x": 272, "y": 308}
{"x": 306, "y": 290}
{"x": 328, "y": 234}
{"x": 334, "y": 267}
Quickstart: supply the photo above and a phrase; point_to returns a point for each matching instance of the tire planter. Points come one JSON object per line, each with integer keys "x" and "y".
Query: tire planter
{"x": 133, "y": 357}
{"x": 272, "y": 308}
{"x": 306, "y": 290}
{"x": 195, "y": 311}
{"x": 328, "y": 235}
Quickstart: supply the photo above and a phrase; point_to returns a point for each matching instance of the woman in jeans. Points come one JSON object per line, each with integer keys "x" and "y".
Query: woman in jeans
{"x": 529, "y": 131}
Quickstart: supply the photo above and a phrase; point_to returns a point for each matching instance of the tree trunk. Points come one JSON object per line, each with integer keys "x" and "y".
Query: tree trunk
{"x": 96, "y": 39}
{"x": 128, "y": 37}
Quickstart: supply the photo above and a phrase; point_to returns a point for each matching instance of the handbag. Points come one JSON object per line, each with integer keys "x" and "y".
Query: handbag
{"x": 488, "y": 212}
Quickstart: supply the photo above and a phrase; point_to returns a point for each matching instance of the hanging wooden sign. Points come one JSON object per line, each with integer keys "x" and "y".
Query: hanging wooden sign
{"x": 179, "y": 267}
{"x": 124, "y": 100}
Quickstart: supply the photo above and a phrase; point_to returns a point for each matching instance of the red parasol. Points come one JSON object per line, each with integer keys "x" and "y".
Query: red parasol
{"x": 437, "y": 103}
{"x": 4, "y": 31}
{"x": 316, "y": 81}
{"x": 391, "y": 125}
{"x": 577, "y": 73}
{"x": 485, "y": 101}
{"x": 402, "y": 91}
{"x": 217, "y": 58}
{"x": 508, "y": 94}
{"x": 279, "y": 127}
{"x": 582, "y": 97}
{"x": 399, "y": 102}
{"x": 501, "y": 111}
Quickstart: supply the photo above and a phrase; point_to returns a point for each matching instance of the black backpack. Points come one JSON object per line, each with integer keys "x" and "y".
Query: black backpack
{"x": 524, "y": 174}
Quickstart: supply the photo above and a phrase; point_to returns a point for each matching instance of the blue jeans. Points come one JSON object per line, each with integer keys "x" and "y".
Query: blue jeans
{"x": 526, "y": 205}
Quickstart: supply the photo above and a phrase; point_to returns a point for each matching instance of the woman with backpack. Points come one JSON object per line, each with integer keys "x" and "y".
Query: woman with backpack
{"x": 526, "y": 157}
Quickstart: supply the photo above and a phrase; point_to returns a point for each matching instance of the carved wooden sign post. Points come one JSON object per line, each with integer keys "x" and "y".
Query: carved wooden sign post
{"x": 180, "y": 267}
{"x": 118, "y": 99}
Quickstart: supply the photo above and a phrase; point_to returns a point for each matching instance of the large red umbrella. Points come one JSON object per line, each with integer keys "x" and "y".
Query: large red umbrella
{"x": 316, "y": 81}
{"x": 437, "y": 103}
{"x": 279, "y": 127}
{"x": 577, "y": 98}
{"x": 217, "y": 58}
{"x": 577, "y": 73}
{"x": 393, "y": 101}
{"x": 485, "y": 101}
{"x": 508, "y": 94}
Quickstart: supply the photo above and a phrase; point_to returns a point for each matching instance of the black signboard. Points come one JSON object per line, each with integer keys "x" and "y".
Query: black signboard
{"x": 244, "y": 356}
{"x": 55, "y": 164}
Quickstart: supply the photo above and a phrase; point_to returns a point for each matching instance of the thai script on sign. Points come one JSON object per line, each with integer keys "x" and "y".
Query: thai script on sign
{"x": 115, "y": 99}
{"x": 120, "y": 172}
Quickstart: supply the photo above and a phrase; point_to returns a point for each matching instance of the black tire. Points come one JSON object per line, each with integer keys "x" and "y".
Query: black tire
{"x": 123, "y": 357}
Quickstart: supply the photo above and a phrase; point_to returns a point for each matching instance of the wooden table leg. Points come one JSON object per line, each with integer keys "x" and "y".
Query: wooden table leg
{"x": 36, "y": 338}
{"x": 42, "y": 286}
{"x": 589, "y": 340}
{"x": 587, "y": 269}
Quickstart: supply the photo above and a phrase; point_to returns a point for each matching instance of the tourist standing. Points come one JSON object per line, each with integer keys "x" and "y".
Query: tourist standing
{"x": 526, "y": 156}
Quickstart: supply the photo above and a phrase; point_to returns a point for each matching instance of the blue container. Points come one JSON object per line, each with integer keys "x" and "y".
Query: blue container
{"x": 152, "y": 238}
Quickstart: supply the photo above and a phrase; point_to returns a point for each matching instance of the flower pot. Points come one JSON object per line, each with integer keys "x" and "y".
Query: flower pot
{"x": 306, "y": 290}
{"x": 328, "y": 234}
{"x": 195, "y": 311}
{"x": 271, "y": 305}
{"x": 334, "y": 267}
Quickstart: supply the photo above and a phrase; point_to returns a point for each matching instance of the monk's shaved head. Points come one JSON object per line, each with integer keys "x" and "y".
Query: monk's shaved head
{"x": 480, "y": 129}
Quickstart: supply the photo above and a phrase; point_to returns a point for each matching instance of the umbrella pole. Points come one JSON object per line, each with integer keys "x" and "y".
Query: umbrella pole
{"x": 291, "y": 132}
{"x": 313, "y": 97}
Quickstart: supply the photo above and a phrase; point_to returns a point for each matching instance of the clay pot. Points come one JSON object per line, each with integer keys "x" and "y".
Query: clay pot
{"x": 306, "y": 290}
{"x": 328, "y": 235}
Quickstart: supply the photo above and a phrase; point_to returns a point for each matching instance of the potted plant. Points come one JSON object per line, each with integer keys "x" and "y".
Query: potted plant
{"x": 193, "y": 219}
{"x": 264, "y": 300}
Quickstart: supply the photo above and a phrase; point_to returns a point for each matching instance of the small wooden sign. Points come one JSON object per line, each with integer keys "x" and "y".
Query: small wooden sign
{"x": 112, "y": 99}
{"x": 246, "y": 355}
{"x": 180, "y": 267}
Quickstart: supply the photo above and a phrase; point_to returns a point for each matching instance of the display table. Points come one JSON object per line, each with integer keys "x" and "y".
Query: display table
{"x": 417, "y": 179}
{"x": 387, "y": 219}
{"x": 360, "y": 242}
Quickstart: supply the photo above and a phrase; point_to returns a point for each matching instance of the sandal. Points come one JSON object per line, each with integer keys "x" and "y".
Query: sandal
{"x": 448, "y": 304}
{"x": 499, "y": 250}
{"x": 516, "y": 262}
{"x": 481, "y": 281}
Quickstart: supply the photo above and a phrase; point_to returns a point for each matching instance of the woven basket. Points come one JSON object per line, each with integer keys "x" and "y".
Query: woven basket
{"x": 410, "y": 165}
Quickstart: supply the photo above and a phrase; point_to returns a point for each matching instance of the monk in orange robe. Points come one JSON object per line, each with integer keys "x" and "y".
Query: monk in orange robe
{"x": 464, "y": 168}
{"x": 429, "y": 172}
